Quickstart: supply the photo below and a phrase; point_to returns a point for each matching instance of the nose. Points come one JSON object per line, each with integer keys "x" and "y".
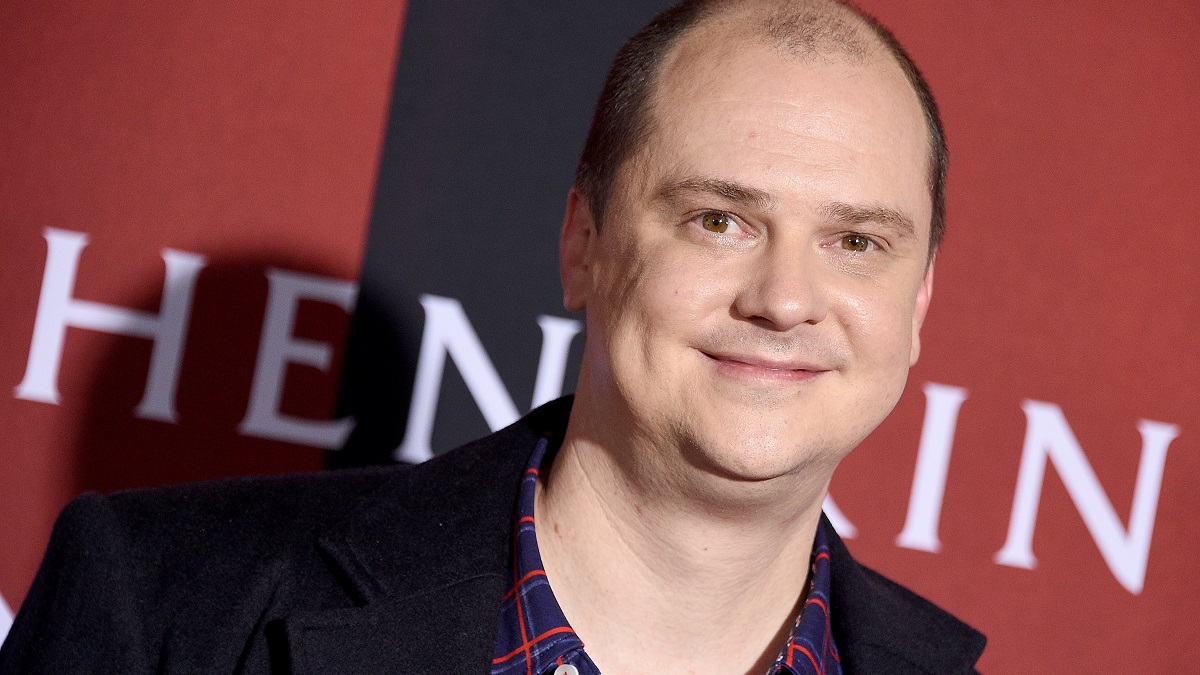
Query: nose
{"x": 782, "y": 289}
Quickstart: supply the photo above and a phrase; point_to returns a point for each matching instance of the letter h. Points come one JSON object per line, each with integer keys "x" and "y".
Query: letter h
{"x": 58, "y": 309}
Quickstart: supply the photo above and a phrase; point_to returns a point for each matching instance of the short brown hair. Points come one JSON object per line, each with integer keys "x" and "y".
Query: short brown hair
{"x": 622, "y": 120}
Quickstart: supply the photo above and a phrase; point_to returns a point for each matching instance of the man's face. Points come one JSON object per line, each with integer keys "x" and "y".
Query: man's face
{"x": 755, "y": 293}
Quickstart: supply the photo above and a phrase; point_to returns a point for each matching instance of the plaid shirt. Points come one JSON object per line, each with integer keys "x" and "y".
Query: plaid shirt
{"x": 534, "y": 637}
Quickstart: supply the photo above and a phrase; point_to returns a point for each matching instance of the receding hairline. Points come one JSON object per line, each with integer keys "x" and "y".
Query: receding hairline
{"x": 816, "y": 29}
{"x": 822, "y": 31}
{"x": 810, "y": 31}
{"x": 847, "y": 39}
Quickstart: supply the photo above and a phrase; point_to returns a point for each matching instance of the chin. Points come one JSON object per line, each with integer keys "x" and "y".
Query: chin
{"x": 758, "y": 455}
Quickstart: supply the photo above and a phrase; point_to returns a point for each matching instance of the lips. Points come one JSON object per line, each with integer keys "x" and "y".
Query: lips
{"x": 758, "y": 367}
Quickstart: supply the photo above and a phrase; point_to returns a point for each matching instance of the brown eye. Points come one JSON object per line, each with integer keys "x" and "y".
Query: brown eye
{"x": 715, "y": 222}
{"x": 855, "y": 242}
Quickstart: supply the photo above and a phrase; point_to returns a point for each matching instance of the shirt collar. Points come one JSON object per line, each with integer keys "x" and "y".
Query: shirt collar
{"x": 810, "y": 648}
{"x": 534, "y": 636}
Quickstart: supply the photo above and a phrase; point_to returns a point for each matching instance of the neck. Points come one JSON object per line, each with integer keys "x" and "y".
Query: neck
{"x": 659, "y": 572}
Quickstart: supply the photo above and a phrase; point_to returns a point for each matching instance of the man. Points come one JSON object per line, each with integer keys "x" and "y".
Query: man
{"x": 751, "y": 234}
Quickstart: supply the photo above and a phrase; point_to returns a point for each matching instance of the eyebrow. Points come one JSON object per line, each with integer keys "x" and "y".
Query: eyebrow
{"x": 729, "y": 190}
{"x": 837, "y": 212}
{"x": 850, "y": 214}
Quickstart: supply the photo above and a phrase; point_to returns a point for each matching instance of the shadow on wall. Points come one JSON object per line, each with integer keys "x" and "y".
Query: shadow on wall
{"x": 115, "y": 449}
{"x": 377, "y": 382}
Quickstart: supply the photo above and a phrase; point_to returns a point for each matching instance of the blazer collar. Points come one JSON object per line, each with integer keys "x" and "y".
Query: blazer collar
{"x": 881, "y": 627}
{"x": 425, "y": 556}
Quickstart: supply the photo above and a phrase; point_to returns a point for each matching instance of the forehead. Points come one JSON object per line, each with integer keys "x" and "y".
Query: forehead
{"x": 727, "y": 102}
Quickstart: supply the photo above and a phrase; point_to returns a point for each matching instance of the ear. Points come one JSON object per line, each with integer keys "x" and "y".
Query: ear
{"x": 924, "y": 295}
{"x": 575, "y": 252}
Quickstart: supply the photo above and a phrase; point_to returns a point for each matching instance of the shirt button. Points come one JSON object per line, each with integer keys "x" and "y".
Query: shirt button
{"x": 566, "y": 669}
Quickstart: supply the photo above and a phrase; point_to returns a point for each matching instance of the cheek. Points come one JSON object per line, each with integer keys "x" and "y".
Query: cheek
{"x": 662, "y": 292}
{"x": 687, "y": 294}
{"x": 879, "y": 327}
{"x": 880, "y": 344}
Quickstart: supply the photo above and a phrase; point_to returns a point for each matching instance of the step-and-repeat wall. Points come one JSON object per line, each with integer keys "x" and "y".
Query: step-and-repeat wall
{"x": 241, "y": 234}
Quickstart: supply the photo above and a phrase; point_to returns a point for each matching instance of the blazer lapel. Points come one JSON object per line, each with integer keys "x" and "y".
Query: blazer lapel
{"x": 446, "y": 630}
{"x": 882, "y": 627}
{"x": 424, "y": 556}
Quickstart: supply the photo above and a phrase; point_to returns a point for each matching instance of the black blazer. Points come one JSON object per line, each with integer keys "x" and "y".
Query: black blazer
{"x": 388, "y": 570}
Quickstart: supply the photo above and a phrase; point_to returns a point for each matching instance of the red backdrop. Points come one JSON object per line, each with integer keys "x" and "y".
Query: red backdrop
{"x": 1066, "y": 292}
{"x": 246, "y": 132}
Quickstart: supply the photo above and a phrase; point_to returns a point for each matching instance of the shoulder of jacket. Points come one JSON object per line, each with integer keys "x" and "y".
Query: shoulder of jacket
{"x": 882, "y": 626}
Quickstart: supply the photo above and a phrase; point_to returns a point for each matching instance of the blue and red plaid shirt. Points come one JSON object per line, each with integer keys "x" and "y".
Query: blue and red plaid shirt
{"x": 534, "y": 637}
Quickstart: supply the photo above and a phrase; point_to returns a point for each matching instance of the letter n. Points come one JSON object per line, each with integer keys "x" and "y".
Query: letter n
{"x": 1047, "y": 435}
{"x": 448, "y": 331}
